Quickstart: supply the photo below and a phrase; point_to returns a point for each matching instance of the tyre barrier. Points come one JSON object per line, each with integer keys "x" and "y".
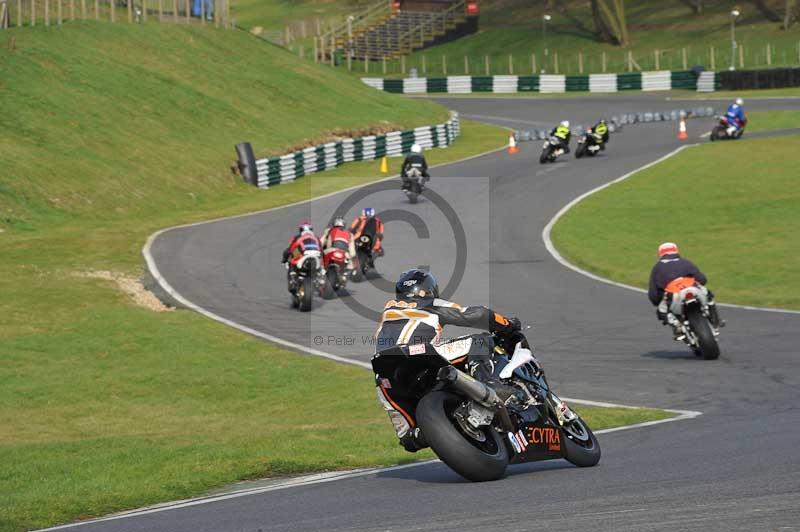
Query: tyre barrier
{"x": 271, "y": 171}
{"x": 616, "y": 122}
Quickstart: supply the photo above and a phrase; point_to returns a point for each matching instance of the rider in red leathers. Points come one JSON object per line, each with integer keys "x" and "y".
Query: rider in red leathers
{"x": 305, "y": 240}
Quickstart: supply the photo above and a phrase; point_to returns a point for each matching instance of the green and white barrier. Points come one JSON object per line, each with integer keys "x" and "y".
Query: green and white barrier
{"x": 551, "y": 83}
{"x": 273, "y": 171}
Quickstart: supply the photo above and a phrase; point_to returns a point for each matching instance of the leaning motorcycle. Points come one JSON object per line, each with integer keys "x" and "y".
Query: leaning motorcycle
{"x": 690, "y": 307}
{"x": 305, "y": 278}
{"x": 588, "y": 144}
{"x": 365, "y": 260}
{"x": 725, "y": 131}
{"x": 416, "y": 184}
{"x": 476, "y": 429}
{"x": 551, "y": 150}
{"x": 334, "y": 261}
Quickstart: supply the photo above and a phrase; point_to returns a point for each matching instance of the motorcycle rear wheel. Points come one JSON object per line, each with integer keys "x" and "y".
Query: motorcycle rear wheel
{"x": 359, "y": 270}
{"x": 412, "y": 198}
{"x": 329, "y": 289}
{"x": 581, "y": 447}
{"x": 707, "y": 342}
{"x": 477, "y": 461}
{"x": 581, "y": 151}
{"x": 305, "y": 294}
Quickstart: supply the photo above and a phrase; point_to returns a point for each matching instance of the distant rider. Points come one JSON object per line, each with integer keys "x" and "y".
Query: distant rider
{"x": 736, "y": 118}
{"x": 417, "y": 316}
{"x": 600, "y": 132}
{"x": 369, "y": 224}
{"x": 670, "y": 269}
{"x": 562, "y": 133}
{"x": 305, "y": 240}
{"x": 338, "y": 237}
{"x": 414, "y": 160}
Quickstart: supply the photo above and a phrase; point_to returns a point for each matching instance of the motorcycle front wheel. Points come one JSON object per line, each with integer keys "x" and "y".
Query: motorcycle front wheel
{"x": 475, "y": 454}
{"x": 545, "y": 156}
{"x": 707, "y": 342}
{"x": 581, "y": 447}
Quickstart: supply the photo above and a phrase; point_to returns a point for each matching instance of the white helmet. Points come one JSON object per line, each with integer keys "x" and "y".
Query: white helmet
{"x": 739, "y": 102}
{"x": 565, "y": 123}
{"x": 416, "y": 148}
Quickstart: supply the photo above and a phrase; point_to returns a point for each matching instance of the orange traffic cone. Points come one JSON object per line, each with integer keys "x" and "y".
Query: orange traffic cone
{"x": 682, "y": 134}
{"x": 512, "y": 145}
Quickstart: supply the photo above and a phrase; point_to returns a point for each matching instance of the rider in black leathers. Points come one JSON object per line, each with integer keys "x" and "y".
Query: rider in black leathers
{"x": 417, "y": 161}
{"x": 417, "y": 316}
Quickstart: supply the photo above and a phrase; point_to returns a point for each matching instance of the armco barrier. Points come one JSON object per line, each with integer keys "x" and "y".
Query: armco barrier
{"x": 576, "y": 83}
{"x": 603, "y": 83}
{"x": 505, "y": 84}
{"x": 629, "y": 82}
{"x": 656, "y": 81}
{"x": 273, "y": 171}
{"x": 554, "y": 83}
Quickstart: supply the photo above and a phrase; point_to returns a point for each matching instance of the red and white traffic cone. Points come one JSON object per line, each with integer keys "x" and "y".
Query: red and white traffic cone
{"x": 512, "y": 145}
{"x": 682, "y": 134}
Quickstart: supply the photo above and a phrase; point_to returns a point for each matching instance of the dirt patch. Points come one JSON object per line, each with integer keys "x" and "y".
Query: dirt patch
{"x": 335, "y": 135}
{"x": 131, "y": 286}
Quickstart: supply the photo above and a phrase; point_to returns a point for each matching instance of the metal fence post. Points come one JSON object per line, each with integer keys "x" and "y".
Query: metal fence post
{"x": 97, "y": 9}
{"x": 533, "y": 63}
{"x": 47, "y": 13}
{"x": 683, "y": 56}
{"x": 604, "y": 59}
{"x": 486, "y": 63}
{"x": 510, "y": 64}
{"x": 466, "y": 65}
{"x": 580, "y": 62}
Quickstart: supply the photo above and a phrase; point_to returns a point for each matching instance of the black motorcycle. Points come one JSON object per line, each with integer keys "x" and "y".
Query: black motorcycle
{"x": 365, "y": 258}
{"x": 551, "y": 150}
{"x": 305, "y": 278}
{"x": 589, "y": 144}
{"x": 415, "y": 185}
{"x": 475, "y": 429}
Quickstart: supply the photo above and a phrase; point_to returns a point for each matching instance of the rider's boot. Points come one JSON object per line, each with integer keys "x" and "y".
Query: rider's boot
{"x": 677, "y": 330}
{"x": 413, "y": 440}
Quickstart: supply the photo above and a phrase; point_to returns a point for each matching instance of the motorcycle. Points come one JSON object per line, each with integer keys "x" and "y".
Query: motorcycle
{"x": 365, "y": 260}
{"x": 551, "y": 150}
{"x": 588, "y": 144}
{"x": 416, "y": 184}
{"x": 334, "y": 261}
{"x": 305, "y": 278}
{"x": 690, "y": 309}
{"x": 725, "y": 131}
{"x": 475, "y": 429}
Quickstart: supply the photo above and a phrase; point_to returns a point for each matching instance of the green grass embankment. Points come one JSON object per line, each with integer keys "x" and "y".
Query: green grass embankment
{"x": 732, "y": 207}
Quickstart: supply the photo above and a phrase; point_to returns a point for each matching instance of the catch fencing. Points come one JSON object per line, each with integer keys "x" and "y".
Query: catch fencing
{"x": 31, "y": 13}
{"x": 550, "y": 83}
{"x": 271, "y": 171}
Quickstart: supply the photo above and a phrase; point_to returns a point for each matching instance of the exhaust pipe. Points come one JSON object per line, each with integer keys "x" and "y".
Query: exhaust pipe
{"x": 477, "y": 391}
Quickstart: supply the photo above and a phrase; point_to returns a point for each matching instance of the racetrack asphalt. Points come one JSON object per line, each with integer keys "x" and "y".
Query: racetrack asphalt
{"x": 734, "y": 468}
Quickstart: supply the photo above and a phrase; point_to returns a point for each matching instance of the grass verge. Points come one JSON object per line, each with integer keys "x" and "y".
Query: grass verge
{"x": 717, "y": 201}
{"x": 771, "y": 120}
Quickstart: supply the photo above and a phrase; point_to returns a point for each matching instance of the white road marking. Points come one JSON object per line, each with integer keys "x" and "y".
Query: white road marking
{"x": 564, "y": 262}
{"x": 706, "y": 134}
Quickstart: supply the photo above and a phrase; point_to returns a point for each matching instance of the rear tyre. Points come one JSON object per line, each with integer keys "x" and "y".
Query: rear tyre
{"x": 708, "y": 346}
{"x": 580, "y": 444}
{"x": 305, "y": 294}
{"x": 581, "y": 151}
{"x": 412, "y": 197}
{"x": 715, "y": 133}
{"x": 471, "y": 458}
{"x": 329, "y": 290}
